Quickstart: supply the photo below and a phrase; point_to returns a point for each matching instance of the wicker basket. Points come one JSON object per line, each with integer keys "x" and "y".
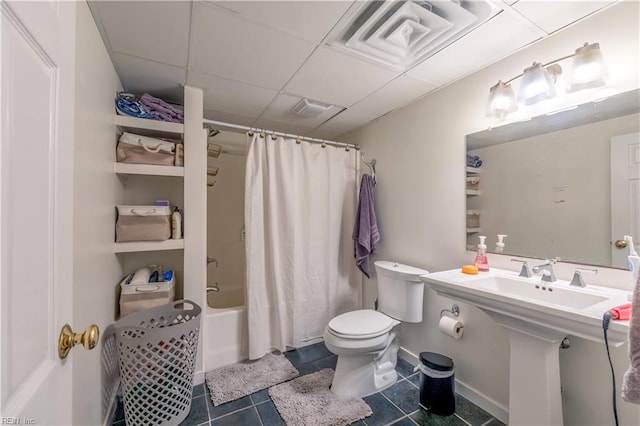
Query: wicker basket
{"x": 157, "y": 353}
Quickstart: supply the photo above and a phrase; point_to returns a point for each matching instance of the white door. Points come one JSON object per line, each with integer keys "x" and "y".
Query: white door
{"x": 625, "y": 195}
{"x": 36, "y": 188}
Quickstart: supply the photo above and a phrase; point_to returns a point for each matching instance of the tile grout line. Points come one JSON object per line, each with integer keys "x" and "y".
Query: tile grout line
{"x": 392, "y": 403}
{"x": 463, "y": 420}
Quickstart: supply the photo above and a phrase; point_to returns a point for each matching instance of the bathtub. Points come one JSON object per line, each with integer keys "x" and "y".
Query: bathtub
{"x": 225, "y": 341}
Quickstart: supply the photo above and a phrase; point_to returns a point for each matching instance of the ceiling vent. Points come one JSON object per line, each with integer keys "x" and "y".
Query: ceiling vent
{"x": 401, "y": 34}
{"x": 308, "y": 108}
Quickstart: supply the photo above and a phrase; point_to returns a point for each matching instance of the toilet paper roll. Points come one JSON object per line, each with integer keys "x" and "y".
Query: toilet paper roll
{"x": 451, "y": 327}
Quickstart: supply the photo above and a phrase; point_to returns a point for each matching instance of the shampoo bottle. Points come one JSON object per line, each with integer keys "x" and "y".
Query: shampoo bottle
{"x": 634, "y": 261}
{"x": 176, "y": 224}
{"x": 481, "y": 256}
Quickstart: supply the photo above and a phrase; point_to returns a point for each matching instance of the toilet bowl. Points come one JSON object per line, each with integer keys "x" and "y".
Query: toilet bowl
{"x": 367, "y": 346}
{"x": 366, "y": 341}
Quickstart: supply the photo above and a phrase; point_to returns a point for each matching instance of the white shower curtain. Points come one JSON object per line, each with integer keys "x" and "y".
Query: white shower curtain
{"x": 300, "y": 203}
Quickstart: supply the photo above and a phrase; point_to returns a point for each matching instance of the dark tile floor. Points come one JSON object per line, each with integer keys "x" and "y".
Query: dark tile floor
{"x": 397, "y": 405}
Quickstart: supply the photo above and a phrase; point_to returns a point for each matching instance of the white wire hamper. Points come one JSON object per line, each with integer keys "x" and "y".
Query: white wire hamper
{"x": 157, "y": 353}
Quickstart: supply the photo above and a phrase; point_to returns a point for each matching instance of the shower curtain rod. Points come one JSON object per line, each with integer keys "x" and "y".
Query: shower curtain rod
{"x": 271, "y": 132}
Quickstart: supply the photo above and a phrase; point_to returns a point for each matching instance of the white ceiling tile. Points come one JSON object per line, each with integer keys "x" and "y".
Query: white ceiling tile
{"x": 280, "y": 110}
{"x": 141, "y": 75}
{"x": 283, "y": 127}
{"x": 553, "y": 15}
{"x": 396, "y": 94}
{"x": 221, "y": 94}
{"x": 333, "y": 77}
{"x": 226, "y": 45}
{"x": 325, "y": 133}
{"x": 309, "y": 20}
{"x": 348, "y": 119}
{"x": 497, "y": 38}
{"x": 228, "y": 117}
{"x": 156, "y": 30}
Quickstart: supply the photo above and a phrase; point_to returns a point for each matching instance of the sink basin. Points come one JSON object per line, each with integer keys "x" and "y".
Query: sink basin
{"x": 542, "y": 292}
{"x": 536, "y": 315}
{"x": 558, "y": 306}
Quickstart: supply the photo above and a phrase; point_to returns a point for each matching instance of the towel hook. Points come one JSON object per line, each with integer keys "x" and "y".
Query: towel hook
{"x": 371, "y": 164}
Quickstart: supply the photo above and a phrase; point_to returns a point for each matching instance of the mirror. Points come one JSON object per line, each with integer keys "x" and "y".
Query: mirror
{"x": 547, "y": 183}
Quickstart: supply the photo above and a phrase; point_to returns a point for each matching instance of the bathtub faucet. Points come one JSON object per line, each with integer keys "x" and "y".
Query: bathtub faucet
{"x": 212, "y": 260}
{"x": 213, "y": 287}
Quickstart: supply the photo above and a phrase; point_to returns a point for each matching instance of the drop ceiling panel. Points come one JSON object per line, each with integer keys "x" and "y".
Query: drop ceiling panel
{"x": 228, "y": 117}
{"x": 335, "y": 78}
{"x": 280, "y": 111}
{"x": 156, "y": 30}
{"x": 283, "y": 127}
{"x": 228, "y": 46}
{"x": 553, "y": 15}
{"x": 231, "y": 96}
{"x": 499, "y": 37}
{"x": 347, "y": 120}
{"x": 309, "y": 20}
{"x": 141, "y": 75}
{"x": 396, "y": 94}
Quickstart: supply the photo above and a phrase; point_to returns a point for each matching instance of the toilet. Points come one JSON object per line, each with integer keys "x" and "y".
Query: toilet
{"x": 366, "y": 341}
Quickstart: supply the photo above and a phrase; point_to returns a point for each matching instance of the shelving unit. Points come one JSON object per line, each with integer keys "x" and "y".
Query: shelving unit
{"x": 473, "y": 230}
{"x": 148, "y": 170}
{"x": 473, "y": 192}
{"x": 473, "y": 170}
{"x": 141, "y": 185}
{"x": 139, "y": 246}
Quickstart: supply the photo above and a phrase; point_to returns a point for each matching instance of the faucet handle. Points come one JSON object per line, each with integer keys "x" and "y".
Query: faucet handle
{"x": 552, "y": 261}
{"x": 525, "y": 271}
{"x": 577, "y": 276}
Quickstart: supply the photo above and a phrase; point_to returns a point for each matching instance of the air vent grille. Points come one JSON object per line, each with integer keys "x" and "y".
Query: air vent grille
{"x": 309, "y": 108}
{"x": 400, "y": 34}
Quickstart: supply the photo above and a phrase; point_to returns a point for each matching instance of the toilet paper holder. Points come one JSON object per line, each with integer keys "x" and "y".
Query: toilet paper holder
{"x": 455, "y": 311}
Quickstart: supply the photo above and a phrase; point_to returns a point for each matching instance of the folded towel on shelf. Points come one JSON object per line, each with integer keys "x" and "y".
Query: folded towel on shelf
{"x": 473, "y": 161}
{"x": 631, "y": 379}
{"x": 162, "y": 110}
{"x": 132, "y": 108}
{"x": 365, "y": 230}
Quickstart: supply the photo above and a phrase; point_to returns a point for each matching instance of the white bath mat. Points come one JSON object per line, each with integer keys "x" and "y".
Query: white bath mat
{"x": 307, "y": 401}
{"x": 244, "y": 378}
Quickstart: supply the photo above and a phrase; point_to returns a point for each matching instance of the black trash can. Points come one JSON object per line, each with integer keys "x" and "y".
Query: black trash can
{"x": 437, "y": 386}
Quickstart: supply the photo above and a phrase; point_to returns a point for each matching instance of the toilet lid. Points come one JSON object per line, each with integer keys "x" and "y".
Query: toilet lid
{"x": 361, "y": 324}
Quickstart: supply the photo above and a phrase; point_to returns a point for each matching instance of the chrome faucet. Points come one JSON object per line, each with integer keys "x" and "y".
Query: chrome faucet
{"x": 577, "y": 276}
{"x": 547, "y": 270}
{"x": 525, "y": 271}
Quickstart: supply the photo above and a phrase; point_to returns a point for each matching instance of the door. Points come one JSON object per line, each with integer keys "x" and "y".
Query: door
{"x": 36, "y": 206}
{"x": 625, "y": 195}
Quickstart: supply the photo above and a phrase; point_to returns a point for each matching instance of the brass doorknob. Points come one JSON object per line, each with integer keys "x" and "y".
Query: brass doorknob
{"x": 68, "y": 339}
{"x": 621, "y": 244}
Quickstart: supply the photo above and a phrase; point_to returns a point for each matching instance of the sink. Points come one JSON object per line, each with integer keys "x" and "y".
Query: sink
{"x": 536, "y": 315}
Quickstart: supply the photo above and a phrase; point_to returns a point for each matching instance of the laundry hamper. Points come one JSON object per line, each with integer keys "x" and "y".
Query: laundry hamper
{"x": 157, "y": 353}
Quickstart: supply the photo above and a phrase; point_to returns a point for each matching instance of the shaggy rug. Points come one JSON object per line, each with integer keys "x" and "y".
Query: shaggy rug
{"x": 307, "y": 401}
{"x": 244, "y": 378}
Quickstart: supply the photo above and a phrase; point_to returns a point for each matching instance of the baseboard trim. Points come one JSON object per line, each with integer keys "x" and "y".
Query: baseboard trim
{"x": 487, "y": 404}
{"x": 198, "y": 378}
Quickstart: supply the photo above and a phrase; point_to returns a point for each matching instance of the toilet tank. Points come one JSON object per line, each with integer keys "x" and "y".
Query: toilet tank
{"x": 400, "y": 290}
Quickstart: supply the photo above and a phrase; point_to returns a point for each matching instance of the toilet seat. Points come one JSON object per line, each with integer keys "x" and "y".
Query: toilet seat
{"x": 361, "y": 324}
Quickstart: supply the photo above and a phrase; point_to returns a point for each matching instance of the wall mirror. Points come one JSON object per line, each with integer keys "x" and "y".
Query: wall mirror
{"x": 565, "y": 184}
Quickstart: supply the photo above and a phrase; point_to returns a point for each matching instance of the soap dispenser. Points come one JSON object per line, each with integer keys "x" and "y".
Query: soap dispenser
{"x": 500, "y": 243}
{"x": 481, "y": 256}
{"x": 634, "y": 261}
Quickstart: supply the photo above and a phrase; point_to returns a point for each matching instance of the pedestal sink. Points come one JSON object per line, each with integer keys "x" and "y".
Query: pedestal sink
{"x": 537, "y": 315}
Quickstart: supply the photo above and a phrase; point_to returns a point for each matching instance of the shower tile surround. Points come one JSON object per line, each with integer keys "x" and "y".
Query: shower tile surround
{"x": 397, "y": 405}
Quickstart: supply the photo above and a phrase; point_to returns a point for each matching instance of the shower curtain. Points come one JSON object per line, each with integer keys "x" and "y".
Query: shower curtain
{"x": 300, "y": 201}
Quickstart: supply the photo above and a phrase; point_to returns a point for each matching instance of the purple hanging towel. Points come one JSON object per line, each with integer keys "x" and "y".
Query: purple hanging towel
{"x": 365, "y": 230}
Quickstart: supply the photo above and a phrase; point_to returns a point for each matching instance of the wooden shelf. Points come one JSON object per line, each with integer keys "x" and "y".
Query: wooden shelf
{"x": 473, "y": 192}
{"x": 138, "y": 246}
{"x": 473, "y": 230}
{"x": 147, "y": 169}
{"x": 150, "y": 127}
{"x": 473, "y": 170}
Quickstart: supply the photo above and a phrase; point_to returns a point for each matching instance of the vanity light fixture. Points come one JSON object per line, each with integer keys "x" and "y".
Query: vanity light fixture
{"x": 539, "y": 81}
